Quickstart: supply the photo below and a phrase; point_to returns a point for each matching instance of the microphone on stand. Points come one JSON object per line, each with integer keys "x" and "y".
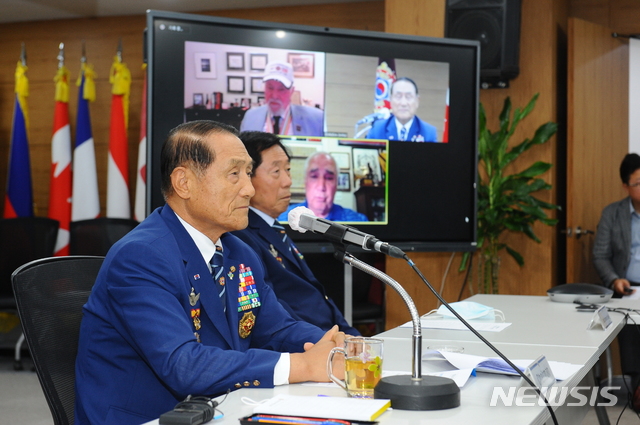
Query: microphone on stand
{"x": 303, "y": 219}
{"x": 372, "y": 117}
{"x": 406, "y": 392}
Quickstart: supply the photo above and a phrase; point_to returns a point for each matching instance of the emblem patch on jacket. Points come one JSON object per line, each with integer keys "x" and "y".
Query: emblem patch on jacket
{"x": 246, "y": 324}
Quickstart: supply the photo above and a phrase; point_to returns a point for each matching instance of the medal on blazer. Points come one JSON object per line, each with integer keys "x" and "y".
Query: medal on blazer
{"x": 195, "y": 315}
{"x": 298, "y": 253}
{"x": 274, "y": 252}
{"x": 248, "y": 296}
{"x": 193, "y": 297}
{"x": 246, "y": 324}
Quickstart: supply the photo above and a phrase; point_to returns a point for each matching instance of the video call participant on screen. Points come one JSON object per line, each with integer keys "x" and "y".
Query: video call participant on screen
{"x": 296, "y": 287}
{"x": 279, "y": 116}
{"x": 403, "y": 124}
{"x": 159, "y": 326}
{"x": 616, "y": 257}
{"x": 320, "y": 185}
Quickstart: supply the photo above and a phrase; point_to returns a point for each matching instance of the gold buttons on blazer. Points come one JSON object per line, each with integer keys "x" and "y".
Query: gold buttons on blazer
{"x": 256, "y": 383}
{"x": 238, "y": 385}
{"x": 246, "y": 383}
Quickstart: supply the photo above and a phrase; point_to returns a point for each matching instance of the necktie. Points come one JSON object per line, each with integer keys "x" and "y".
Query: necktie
{"x": 276, "y": 124}
{"x": 280, "y": 229}
{"x": 217, "y": 269}
{"x": 403, "y": 133}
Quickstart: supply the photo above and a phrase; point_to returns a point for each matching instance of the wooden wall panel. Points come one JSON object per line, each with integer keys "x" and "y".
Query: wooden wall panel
{"x": 101, "y": 36}
{"x": 622, "y": 16}
{"x": 415, "y": 17}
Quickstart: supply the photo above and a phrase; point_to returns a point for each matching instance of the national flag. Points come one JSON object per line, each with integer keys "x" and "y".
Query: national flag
{"x": 385, "y": 77}
{"x": 19, "y": 197}
{"x": 445, "y": 132}
{"x": 86, "y": 201}
{"x": 60, "y": 182}
{"x": 118, "y": 170}
{"x": 141, "y": 174}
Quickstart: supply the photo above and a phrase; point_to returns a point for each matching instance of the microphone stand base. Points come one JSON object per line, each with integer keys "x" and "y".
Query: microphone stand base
{"x": 427, "y": 393}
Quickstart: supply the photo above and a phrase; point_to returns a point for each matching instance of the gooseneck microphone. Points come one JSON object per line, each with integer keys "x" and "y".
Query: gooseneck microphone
{"x": 406, "y": 392}
{"x": 303, "y": 219}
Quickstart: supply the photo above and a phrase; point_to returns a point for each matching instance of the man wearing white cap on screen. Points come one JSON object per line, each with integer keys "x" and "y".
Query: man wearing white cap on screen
{"x": 279, "y": 116}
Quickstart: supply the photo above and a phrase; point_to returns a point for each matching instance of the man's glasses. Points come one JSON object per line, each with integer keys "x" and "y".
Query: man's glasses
{"x": 634, "y": 185}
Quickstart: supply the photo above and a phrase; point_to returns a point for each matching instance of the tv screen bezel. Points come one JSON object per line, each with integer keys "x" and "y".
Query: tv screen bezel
{"x": 443, "y": 48}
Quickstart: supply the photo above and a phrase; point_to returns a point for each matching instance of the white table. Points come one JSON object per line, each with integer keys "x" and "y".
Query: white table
{"x": 540, "y": 327}
{"x": 535, "y": 320}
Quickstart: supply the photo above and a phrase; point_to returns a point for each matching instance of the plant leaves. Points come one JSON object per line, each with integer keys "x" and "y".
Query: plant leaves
{"x": 516, "y": 256}
{"x": 505, "y": 201}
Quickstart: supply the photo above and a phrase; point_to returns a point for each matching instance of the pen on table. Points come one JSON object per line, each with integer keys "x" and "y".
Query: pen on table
{"x": 295, "y": 420}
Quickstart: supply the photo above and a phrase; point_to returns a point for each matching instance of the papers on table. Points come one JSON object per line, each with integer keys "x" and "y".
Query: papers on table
{"x": 561, "y": 370}
{"x": 456, "y": 325}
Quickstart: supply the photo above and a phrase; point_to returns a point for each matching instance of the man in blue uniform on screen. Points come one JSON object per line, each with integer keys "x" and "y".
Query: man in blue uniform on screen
{"x": 279, "y": 116}
{"x": 293, "y": 282}
{"x": 320, "y": 185}
{"x": 403, "y": 124}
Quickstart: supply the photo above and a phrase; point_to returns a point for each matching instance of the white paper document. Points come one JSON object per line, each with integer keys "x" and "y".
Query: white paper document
{"x": 324, "y": 407}
{"x": 561, "y": 370}
{"x": 456, "y": 325}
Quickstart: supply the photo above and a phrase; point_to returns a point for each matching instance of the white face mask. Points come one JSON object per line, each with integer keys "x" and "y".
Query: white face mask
{"x": 470, "y": 310}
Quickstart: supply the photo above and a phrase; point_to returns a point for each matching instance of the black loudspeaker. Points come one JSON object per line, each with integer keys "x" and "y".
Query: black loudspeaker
{"x": 496, "y": 25}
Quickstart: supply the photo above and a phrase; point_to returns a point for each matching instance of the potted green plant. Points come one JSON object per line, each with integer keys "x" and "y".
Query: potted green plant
{"x": 506, "y": 201}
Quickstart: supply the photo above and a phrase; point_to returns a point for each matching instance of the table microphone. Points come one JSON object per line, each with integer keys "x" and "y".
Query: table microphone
{"x": 414, "y": 392}
{"x": 303, "y": 219}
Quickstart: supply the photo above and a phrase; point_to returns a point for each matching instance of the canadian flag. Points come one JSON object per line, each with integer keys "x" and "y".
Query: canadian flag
{"x": 60, "y": 182}
{"x": 118, "y": 169}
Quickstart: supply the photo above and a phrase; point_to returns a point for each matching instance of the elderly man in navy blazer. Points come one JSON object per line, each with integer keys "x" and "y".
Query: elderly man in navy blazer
{"x": 279, "y": 115}
{"x": 293, "y": 282}
{"x": 403, "y": 125}
{"x": 180, "y": 306}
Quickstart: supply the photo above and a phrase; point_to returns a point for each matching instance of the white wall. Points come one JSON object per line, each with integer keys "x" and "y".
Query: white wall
{"x": 634, "y": 95}
{"x": 311, "y": 89}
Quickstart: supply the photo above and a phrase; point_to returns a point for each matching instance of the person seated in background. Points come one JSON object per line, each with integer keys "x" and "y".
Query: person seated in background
{"x": 180, "y": 306}
{"x": 320, "y": 185}
{"x": 278, "y": 115}
{"x": 293, "y": 282}
{"x": 403, "y": 124}
{"x": 616, "y": 257}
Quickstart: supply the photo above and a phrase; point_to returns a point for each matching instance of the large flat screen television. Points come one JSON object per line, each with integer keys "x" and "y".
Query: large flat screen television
{"x": 395, "y": 115}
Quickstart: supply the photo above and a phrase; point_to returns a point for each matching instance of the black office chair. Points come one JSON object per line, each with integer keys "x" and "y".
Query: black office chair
{"x": 95, "y": 236}
{"x": 22, "y": 239}
{"x": 50, "y": 293}
{"x": 368, "y": 312}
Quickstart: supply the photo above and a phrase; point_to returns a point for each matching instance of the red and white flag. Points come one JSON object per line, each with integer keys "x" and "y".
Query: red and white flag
{"x": 60, "y": 182}
{"x": 86, "y": 200}
{"x": 118, "y": 169}
{"x": 445, "y": 132}
{"x": 141, "y": 171}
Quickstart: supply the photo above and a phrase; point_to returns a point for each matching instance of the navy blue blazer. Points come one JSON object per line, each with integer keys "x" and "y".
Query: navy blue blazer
{"x": 420, "y": 131}
{"x": 142, "y": 350}
{"x": 297, "y": 289}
